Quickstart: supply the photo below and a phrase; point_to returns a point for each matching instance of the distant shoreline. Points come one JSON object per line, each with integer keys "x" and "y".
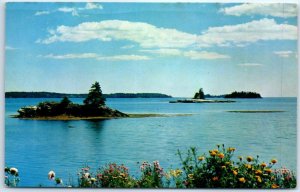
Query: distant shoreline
{"x": 15, "y": 94}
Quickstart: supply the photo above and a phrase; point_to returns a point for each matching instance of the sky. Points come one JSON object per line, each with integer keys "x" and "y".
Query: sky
{"x": 170, "y": 48}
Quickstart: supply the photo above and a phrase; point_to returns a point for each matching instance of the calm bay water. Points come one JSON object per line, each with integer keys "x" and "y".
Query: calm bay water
{"x": 36, "y": 147}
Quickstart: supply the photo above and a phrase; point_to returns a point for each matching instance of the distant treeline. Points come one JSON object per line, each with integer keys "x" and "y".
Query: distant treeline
{"x": 243, "y": 95}
{"x": 61, "y": 95}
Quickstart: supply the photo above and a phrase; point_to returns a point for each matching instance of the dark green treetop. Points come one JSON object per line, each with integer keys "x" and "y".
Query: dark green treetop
{"x": 95, "y": 97}
{"x": 199, "y": 95}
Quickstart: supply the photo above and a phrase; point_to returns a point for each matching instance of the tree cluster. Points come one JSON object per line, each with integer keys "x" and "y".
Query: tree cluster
{"x": 243, "y": 94}
{"x": 94, "y": 105}
{"x": 199, "y": 94}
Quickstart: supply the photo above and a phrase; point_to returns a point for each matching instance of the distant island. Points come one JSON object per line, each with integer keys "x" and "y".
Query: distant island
{"x": 243, "y": 95}
{"x": 62, "y": 95}
{"x": 199, "y": 97}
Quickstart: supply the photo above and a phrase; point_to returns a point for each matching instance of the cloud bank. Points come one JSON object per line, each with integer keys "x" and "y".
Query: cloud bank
{"x": 150, "y": 36}
{"x": 275, "y": 9}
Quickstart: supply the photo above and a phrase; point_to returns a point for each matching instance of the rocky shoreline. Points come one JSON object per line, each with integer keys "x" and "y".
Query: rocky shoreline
{"x": 201, "y": 101}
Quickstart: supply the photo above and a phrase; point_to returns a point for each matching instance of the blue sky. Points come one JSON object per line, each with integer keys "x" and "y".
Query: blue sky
{"x": 171, "y": 48}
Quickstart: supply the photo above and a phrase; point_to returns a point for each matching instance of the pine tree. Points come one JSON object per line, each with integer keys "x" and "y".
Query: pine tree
{"x": 95, "y": 97}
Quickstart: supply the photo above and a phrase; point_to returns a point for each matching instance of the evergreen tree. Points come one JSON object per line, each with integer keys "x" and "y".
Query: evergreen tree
{"x": 95, "y": 97}
{"x": 65, "y": 102}
{"x": 199, "y": 95}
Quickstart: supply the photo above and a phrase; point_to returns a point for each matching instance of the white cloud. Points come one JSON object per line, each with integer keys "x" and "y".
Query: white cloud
{"x": 42, "y": 13}
{"x": 257, "y": 30}
{"x": 89, "y": 6}
{"x": 68, "y": 10}
{"x": 250, "y": 64}
{"x": 150, "y": 36}
{"x": 97, "y": 57}
{"x": 73, "y": 56}
{"x": 195, "y": 55}
{"x": 124, "y": 58}
{"x": 10, "y": 48}
{"x": 274, "y": 9}
{"x": 284, "y": 54}
{"x": 144, "y": 34}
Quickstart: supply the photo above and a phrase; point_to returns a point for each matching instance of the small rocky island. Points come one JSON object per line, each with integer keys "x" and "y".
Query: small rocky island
{"x": 93, "y": 108}
{"x": 199, "y": 97}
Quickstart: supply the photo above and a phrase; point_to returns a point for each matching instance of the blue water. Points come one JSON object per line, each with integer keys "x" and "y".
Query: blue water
{"x": 36, "y": 147}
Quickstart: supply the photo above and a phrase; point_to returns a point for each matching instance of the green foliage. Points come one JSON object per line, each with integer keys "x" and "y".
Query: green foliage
{"x": 95, "y": 97}
{"x": 152, "y": 175}
{"x": 109, "y": 176}
{"x": 11, "y": 178}
{"x": 214, "y": 170}
{"x": 218, "y": 170}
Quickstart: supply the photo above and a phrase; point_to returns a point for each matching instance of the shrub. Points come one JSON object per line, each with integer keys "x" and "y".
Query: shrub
{"x": 218, "y": 170}
{"x": 11, "y": 177}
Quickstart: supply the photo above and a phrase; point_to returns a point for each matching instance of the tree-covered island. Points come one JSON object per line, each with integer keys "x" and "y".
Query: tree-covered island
{"x": 93, "y": 107}
{"x": 243, "y": 95}
{"x": 199, "y": 97}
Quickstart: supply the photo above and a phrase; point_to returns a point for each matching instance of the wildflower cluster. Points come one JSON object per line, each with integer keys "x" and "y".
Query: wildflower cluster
{"x": 11, "y": 177}
{"x": 152, "y": 175}
{"x": 218, "y": 170}
{"x": 58, "y": 181}
{"x": 109, "y": 176}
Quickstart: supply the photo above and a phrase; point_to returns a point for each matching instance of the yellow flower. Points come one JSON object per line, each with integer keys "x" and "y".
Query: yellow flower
{"x": 235, "y": 172}
{"x": 248, "y": 166}
{"x": 268, "y": 171}
{"x": 274, "y": 186}
{"x": 230, "y": 149}
{"x": 190, "y": 176}
{"x": 93, "y": 179}
{"x": 213, "y": 154}
{"x": 223, "y": 167}
{"x": 258, "y": 179}
{"x": 273, "y": 161}
{"x": 240, "y": 158}
{"x": 263, "y": 164}
{"x": 122, "y": 174}
{"x": 200, "y": 158}
{"x": 249, "y": 158}
{"x": 242, "y": 180}
{"x": 221, "y": 155}
{"x": 215, "y": 150}
{"x": 215, "y": 178}
{"x": 258, "y": 172}
{"x": 175, "y": 173}
{"x": 227, "y": 163}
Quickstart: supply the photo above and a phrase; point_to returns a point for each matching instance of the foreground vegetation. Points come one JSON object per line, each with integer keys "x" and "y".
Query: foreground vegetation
{"x": 218, "y": 169}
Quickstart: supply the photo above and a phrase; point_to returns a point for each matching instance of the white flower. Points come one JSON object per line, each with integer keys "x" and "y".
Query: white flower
{"x": 87, "y": 175}
{"x": 51, "y": 175}
{"x": 13, "y": 171}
